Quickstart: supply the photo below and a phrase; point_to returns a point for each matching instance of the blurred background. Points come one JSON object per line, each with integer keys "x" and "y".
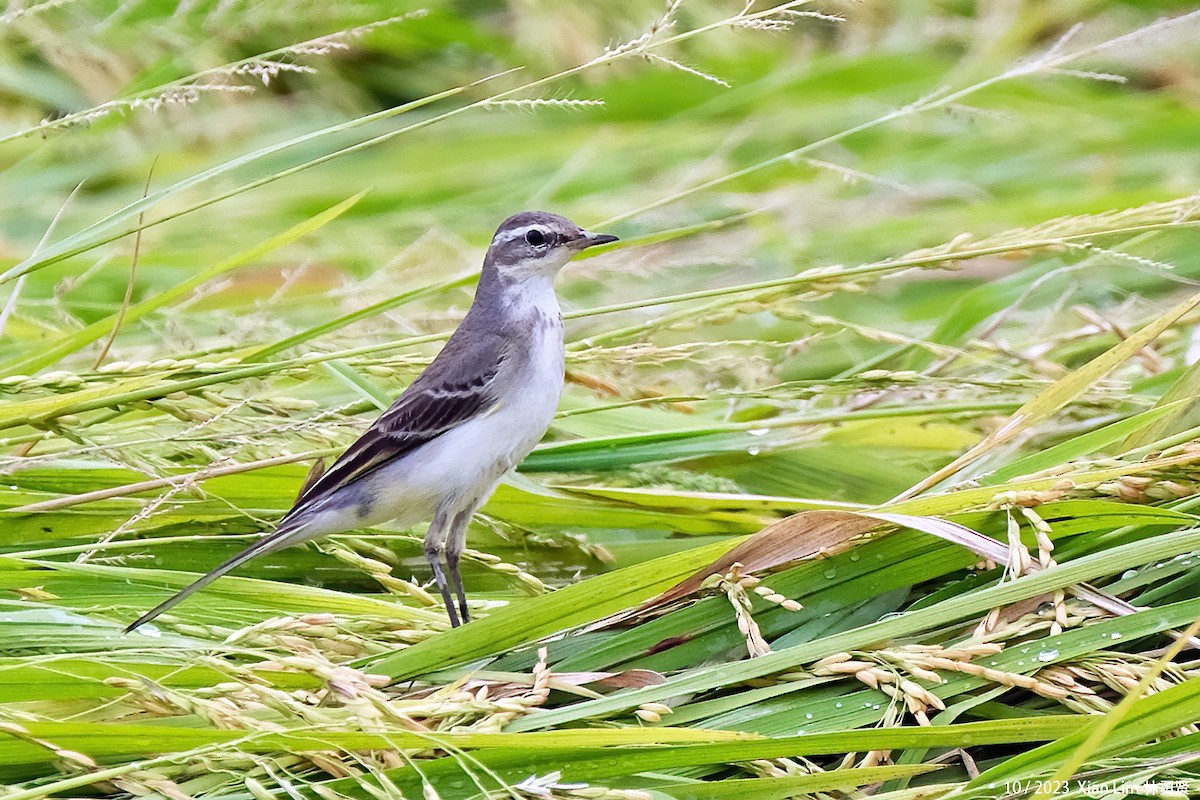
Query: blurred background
{"x": 726, "y": 146}
{"x": 858, "y": 239}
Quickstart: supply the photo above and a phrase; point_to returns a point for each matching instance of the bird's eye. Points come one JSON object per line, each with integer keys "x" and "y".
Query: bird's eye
{"x": 535, "y": 237}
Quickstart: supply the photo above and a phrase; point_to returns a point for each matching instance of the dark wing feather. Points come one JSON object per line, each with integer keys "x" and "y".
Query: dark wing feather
{"x": 457, "y": 387}
{"x": 434, "y": 404}
{"x": 437, "y": 402}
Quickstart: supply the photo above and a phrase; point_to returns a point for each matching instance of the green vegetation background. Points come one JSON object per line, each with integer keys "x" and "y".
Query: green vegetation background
{"x": 858, "y": 241}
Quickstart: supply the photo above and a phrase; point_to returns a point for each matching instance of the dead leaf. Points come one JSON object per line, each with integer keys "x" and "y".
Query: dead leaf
{"x": 808, "y": 534}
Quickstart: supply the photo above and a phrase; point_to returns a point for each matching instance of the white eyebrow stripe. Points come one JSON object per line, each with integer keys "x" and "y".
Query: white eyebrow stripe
{"x": 515, "y": 233}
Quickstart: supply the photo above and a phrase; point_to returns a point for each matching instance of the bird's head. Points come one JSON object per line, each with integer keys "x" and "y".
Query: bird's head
{"x": 538, "y": 244}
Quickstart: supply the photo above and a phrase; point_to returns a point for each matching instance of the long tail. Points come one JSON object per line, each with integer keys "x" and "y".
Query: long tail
{"x": 276, "y": 541}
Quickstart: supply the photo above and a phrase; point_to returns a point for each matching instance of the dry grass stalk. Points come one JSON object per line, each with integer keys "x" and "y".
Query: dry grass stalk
{"x": 782, "y": 767}
{"x": 1020, "y": 562}
{"x": 510, "y": 709}
{"x": 1097, "y": 683}
{"x": 885, "y": 671}
{"x": 380, "y": 572}
{"x": 527, "y": 581}
{"x": 70, "y": 760}
{"x": 735, "y": 584}
{"x": 346, "y": 699}
{"x": 653, "y": 712}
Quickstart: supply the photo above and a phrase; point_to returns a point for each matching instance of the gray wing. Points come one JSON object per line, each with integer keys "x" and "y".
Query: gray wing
{"x": 457, "y": 387}
{"x": 438, "y": 401}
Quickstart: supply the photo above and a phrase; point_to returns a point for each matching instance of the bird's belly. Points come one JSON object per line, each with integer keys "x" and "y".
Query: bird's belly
{"x": 462, "y": 465}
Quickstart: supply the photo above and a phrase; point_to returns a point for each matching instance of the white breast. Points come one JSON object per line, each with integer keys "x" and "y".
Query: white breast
{"x": 465, "y": 463}
{"x": 533, "y": 386}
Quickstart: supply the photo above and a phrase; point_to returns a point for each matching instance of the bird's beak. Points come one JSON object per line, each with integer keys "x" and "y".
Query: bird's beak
{"x": 588, "y": 239}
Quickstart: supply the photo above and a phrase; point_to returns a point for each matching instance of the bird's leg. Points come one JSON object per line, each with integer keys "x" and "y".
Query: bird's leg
{"x": 455, "y": 543}
{"x": 435, "y": 543}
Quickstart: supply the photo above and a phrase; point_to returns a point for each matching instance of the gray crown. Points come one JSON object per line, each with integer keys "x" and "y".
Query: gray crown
{"x": 534, "y": 234}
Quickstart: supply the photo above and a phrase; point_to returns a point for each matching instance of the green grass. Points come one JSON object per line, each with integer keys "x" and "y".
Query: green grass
{"x": 900, "y": 331}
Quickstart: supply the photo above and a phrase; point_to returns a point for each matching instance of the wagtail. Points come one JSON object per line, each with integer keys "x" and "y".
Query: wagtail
{"x": 441, "y": 449}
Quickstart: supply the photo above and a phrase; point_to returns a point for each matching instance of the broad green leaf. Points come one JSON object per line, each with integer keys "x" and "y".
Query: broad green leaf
{"x": 598, "y": 764}
{"x": 1150, "y": 717}
{"x": 117, "y": 740}
{"x": 780, "y": 788}
{"x": 856, "y": 706}
{"x": 268, "y": 593}
{"x": 24, "y": 680}
{"x": 976, "y": 602}
{"x": 525, "y": 621}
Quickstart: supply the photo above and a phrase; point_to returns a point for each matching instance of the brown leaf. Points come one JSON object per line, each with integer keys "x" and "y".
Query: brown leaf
{"x": 808, "y": 534}
{"x": 819, "y": 533}
{"x": 628, "y": 679}
{"x": 633, "y": 679}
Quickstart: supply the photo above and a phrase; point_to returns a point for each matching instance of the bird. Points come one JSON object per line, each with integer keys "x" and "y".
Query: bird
{"x": 439, "y": 451}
